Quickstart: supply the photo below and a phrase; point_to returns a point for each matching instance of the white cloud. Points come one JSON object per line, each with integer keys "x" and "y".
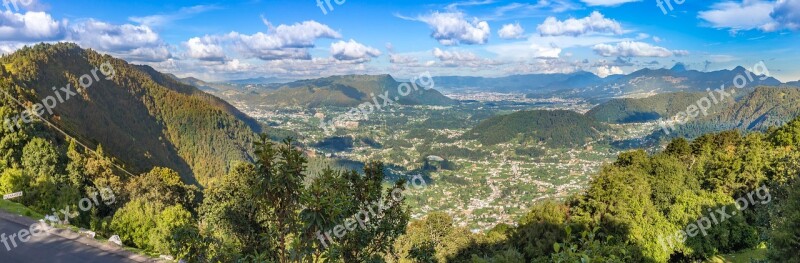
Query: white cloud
{"x": 607, "y": 2}
{"x": 452, "y": 29}
{"x": 787, "y": 14}
{"x": 403, "y": 60}
{"x": 206, "y": 48}
{"x": 353, "y": 50}
{"x": 454, "y": 56}
{"x": 594, "y": 23}
{"x": 605, "y": 71}
{"x": 31, "y": 26}
{"x": 457, "y": 58}
{"x": 283, "y": 42}
{"x": 511, "y": 31}
{"x": 747, "y": 15}
{"x": 133, "y": 42}
{"x": 634, "y": 49}
{"x": 763, "y": 15}
{"x": 8, "y": 48}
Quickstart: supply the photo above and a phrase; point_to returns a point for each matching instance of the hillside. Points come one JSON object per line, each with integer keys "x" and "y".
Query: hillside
{"x": 631, "y": 110}
{"x": 141, "y": 116}
{"x": 558, "y": 128}
{"x": 338, "y": 91}
{"x": 759, "y": 110}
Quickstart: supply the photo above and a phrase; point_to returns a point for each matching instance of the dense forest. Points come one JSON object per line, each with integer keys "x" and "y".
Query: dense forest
{"x": 643, "y": 110}
{"x": 559, "y": 128}
{"x": 758, "y": 110}
{"x": 143, "y": 117}
{"x": 343, "y": 91}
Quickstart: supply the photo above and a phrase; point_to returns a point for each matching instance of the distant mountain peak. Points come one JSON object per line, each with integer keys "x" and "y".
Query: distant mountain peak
{"x": 679, "y": 67}
{"x": 739, "y": 68}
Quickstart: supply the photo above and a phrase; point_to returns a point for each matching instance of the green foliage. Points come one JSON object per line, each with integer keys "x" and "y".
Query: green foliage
{"x": 134, "y": 222}
{"x": 644, "y": 110}
{"x": 272, "y": 211}
{"x": 558, "y": 128}
{"x": 170, "y": 226}
{"x": 785, "y": 233}
{"x": 538, "y": 230}
{"x": 141, "y": 116}
{"x": 341, "y": 91}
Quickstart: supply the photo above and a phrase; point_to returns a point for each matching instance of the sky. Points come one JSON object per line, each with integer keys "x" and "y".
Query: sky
{"x": 299, "y": 39}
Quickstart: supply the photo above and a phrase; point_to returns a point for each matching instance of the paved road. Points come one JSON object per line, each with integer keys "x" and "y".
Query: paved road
{"x": 51, "y": 248}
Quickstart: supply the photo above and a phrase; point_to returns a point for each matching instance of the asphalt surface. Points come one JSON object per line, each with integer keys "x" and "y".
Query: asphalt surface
{"x": 51, "y": 248}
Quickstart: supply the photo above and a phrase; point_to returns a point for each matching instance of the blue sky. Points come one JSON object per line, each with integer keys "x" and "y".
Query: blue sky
{"x": 217, "y": 40}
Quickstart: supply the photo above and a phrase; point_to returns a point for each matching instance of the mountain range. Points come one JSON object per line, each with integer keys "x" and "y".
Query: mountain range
{"x": 586, "y": 85}
{"x": 337, "y": 91}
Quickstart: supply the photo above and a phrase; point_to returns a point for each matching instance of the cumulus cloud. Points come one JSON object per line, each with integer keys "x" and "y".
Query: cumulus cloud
{"x": 594, "y": 23}
{"x": 606, "y": 71}
{"x": 353, "y": 50}
{"x": 134, "y": 42}
{"x": 511, "y": 31}
{"x": 787, "y": 14}
{"x": 635, "y": 49}
{"x": 607, "y": 2}
{"x": 31, "y": 26}
{"x": 452, "y": 29}
{"x": 283, "y": 42}
{"x": 207, "y": 48}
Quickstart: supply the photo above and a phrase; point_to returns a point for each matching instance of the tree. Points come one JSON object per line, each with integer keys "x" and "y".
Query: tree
{"x": 784, "y": 237}
{"x": 170, "y": 223}
{"x": 134, "y": 222}
{"x": 164, "y": 186}
{"x": 271, "y": 210}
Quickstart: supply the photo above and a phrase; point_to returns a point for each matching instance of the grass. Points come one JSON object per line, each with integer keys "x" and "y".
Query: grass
{"x": 19, "y": 209}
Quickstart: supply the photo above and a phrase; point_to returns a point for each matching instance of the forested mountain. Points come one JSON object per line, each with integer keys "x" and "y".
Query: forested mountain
{"x": 529, "y": 83}
{"x": 560, "y": 128}
{"x": 340, "y": 91}
{"x": 759, "y": 110}
{"x": 140, "y": 116}
{"x": 587, "y": 85}
{"x": 656, "y": 81}
{"x": 630, "y": 110}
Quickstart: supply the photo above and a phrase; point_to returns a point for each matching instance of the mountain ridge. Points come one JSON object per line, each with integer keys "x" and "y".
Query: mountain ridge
{"x": 140, "y": 116}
